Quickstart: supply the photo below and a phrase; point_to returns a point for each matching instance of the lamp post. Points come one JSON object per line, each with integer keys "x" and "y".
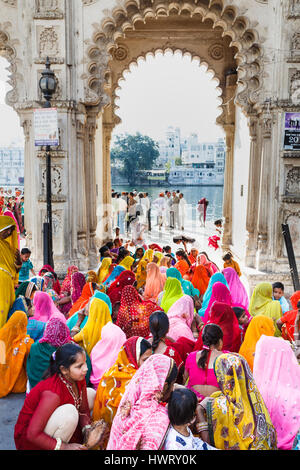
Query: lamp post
{"x": 48, "y": 84}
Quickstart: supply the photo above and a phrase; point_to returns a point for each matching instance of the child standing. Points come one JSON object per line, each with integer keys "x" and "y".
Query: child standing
{"x": 27, "y": 265}
{"x": 229, "y": 262}
{"x": 278, "y": 294}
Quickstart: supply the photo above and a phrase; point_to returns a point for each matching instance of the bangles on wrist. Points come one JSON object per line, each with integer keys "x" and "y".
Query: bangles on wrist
{"x": 203, "y": 426}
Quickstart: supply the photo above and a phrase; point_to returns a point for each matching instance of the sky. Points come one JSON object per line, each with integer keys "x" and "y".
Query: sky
{"x": 165, "y": 90}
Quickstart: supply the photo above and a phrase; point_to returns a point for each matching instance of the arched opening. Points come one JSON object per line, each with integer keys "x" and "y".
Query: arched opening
{"x": 175, "y": 99}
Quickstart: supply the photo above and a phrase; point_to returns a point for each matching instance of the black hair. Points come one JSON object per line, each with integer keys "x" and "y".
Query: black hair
{"x": 182, "y": 406}
{"x": 64, "y": 356}
{"x": 144, "y": 346}
{"x": 278, "y": 285}
{"x": 122, "y": 254}
{"x": 219, "y": 221}
{"x": 137, "y": 213}
{"x": 109, "y": 245}
{"x": 227, "y": 256}
{"x": 94, "y": 286}
{"x": 25, "y": 251}
{"x": 298, "y": 304}
{"x": 239, "y": 311}
{"x": 211, "y": 335}
{"x": 166, "y": 248}
{"x": 172, "y": 374}
{"x": 103, "y": 250}
{"x": 183, "y": 254}
{"x": 159, "y": 327}
{"x": 141, "y": 195}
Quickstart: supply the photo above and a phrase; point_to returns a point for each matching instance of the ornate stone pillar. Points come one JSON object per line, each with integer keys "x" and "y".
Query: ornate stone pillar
{"x": 91, "y": 196}
{"x": 228, "y": 187}
{"x": 253, "y": 194}
{"x": 107, "y": 228}
{"x": 264, "y": 192}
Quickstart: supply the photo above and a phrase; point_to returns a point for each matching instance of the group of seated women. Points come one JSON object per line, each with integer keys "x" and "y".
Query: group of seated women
{"x": 143, "y": 355}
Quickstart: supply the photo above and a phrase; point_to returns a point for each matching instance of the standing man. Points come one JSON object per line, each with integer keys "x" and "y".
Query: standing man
{"x": 122, "y": 213}
{"x": 175, "y": 208}
{"x": 202, "y": 206}
{"x": 169, "y": 211}
{"x": 147, "y": 210}
{"x": 182, "y": 211}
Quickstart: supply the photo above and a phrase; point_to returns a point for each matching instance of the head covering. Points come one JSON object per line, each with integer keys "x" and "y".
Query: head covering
{"x": 44, "y": 307}
{"x": 289, "y": 318}
{"x": 104, "y": 354}
{"x": 200, "y": 279}
{"x": 217, "y": 277}
{"x": 114, "y": 292}
{"x": 261, "y": 303}
{"x": 90, "y": 334}
{"x": 258, "y": 326}
{"x": 181, "y": 315}
{"x": 155, "y": 247}
{"x": 86, "y": 294}
{"x": 48, "y": 280}
{"x": 237, "y": 289}
{"x": 8, "y": 213}
{"x": 77, "y": 284}
{"x": 14, "y": 347}
{"x": 237, "y": 416}
{"x": 91, "y": 276}
{"x": 112, "y": 385}
{"x": 8, "y": 247}
{"x": 56, "y": 284}
{"x": 159, "y": 256}
{"x": 219, "y": 293}
{"x": 141, "y": 272}
{"x": 114, "y": 275}
{"x": 39, "y": 282}
{"x": 277, "y": 375}
{"x": 147, "y": 421}
{"x": 172, "y": 292}
{"x": 164, "y": 262}
{"x": 56, "y": 333}
{"x": 25, "y": 289}
{"x": 222, "y": 314}
{"x": 134, "y": 313}
{"x": 104, "y": 268}
{"x": 127, "y": 262}
{"x": 154, "y": 283}
{"x": 102, "y": 296}
{"x": 203, "y": 259}
{"x": 66, "y": 285}
{"x": 193, "y": 258}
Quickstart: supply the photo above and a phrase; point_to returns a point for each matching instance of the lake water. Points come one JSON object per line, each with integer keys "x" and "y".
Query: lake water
{"x": 192, "y": 194}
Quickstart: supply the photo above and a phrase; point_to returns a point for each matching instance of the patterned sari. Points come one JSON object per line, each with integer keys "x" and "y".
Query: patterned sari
{"x": 8, "y": 274}
{"x": 237, "y": 416}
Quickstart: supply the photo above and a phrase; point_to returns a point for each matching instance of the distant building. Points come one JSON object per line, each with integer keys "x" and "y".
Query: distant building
{"x": 11, "y": 167}
{"x": 170, "y": 148}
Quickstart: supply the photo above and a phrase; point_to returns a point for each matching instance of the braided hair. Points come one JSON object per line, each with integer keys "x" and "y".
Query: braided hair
{"x": 211, "y": 335}
{"x": 183, "y": 254}
{"x": 159, "y": 327}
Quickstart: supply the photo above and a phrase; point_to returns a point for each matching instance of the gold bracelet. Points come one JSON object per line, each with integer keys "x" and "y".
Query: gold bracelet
{"x": 203, "y": 426}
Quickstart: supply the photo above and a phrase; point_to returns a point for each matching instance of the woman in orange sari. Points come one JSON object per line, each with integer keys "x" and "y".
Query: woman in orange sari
{"x": 154, "y": 283}
{"x": 200, "y": 279}
{"x": 112, "y": 385}
{"x": 183, "y": 263}
{"x": 15, "y": 345}
{"x": 87, "y": 292}
{"x": 258, "y": 326}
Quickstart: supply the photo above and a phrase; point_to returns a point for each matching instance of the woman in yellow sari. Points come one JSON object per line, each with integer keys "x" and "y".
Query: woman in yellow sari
{"x": 141, "y": 272}
{"x": 10, "y": 265}
{"x": 157, "y": 257}
{"x": 15, "y": 345}
{"x": 112, "y": 385}
{"x": 127, "y": 262}
{"x": 99, "y": 315}
{"x": 261, "y": 303}
{"x": 237, "y": 416}
{"x": 258, "y": 326}
{"x": 104, "y": 269}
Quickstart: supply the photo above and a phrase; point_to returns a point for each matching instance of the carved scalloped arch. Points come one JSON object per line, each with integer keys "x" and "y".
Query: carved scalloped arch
{"x": 129, "y": 13}
{"x": 7, "y": 50}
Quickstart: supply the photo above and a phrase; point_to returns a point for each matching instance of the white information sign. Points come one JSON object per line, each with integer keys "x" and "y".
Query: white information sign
{"x": 45, "y": 127}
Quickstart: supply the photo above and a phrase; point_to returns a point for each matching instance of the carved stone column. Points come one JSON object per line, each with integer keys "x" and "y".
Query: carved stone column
{"x": 107, "y": 227}
{"x": 253, "y": 194}
{"x": 90, "y": 178}
{"x": 228, "y": 187}
{"x": 264, "y": 192}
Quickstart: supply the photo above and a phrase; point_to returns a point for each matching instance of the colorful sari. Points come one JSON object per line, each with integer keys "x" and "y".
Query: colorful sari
{"x": 172, "y": 292}
{"x": 217, "y": 277}
{"x": 134, "y": 313}
{"x": 187, "y": 286}
{"x": 86, "y": 294}
{"x": 222, "y": 314}
{"x": 44, "y": 308}
{"x": 114, "y": 275}
{"x": 103, "y": 270}
{"x": 91, "y": 276}
{"x": 15, "y": 345}
{"x": 237, "y": 416}
{"x": 159, "y": 255}
{"x": 182, "y": 266}
{"x": 66, "y": 285}
{"x": 144, "y": 426}
{"x": 127, "y": 262}
{"x": 8, "y": 273}
{"x": 154, "y": 283}
{"x": 200, "y": 279}
{"x": 104, "y": 354}
{"x": 211, "y": 267}
{"x": 219, "y": 293}
{"x": 90, "y": 334}
{"x": 289, "y": 318}
{"x": 112, "y": 385}
{"x": 56, "y": 284}
{"x": 261, "y": 303}
{"x": 181, "y": 316}
{"x": 55, "y": 335}
{"x": 141, "y": 272}
{"x": 236, "y": 287}
{"x": 277, "y": 375}
{"x": 258, "y": 326}
{"x": 114, "y": 292}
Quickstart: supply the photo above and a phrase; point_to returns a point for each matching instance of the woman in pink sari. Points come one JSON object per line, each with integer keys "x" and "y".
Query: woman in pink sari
{"x": 237, "y": 289}
{"x": 44, "y": 308}
{"x": 277, "y": 376}
{"x": 181, "y": 316}
{"x": 219, "y": 293}
{"x": 141, "y": 421}
{"x": 104, "y": 354}
{"x": 154, "y": 283}
{"x": 8, "y": 213}
{"x": 211, "y": 267}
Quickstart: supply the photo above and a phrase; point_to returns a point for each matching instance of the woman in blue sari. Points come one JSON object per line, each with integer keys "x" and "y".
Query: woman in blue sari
{"x": 116, "y": 272}
{"x": 217, "y": 277}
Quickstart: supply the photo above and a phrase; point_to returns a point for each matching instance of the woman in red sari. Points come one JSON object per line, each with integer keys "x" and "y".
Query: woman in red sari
{"x": 223, "y": 315}
{"x": 287, "y": 322}
{"x": 134, "y": 313}
{"x": 48, "y": 269}
{"x": 56, "y": 412}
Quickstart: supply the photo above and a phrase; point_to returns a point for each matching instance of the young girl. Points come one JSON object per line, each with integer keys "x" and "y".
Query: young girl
{"x": 183, "y": 412}
{"x": 56, "y": 412}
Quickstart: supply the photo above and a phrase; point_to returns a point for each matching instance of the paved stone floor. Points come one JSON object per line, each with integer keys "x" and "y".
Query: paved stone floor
{"x": 10, "y": 407}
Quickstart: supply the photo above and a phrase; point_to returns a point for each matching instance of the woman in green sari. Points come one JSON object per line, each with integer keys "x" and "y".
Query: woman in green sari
{"x": 171, "y": 293}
